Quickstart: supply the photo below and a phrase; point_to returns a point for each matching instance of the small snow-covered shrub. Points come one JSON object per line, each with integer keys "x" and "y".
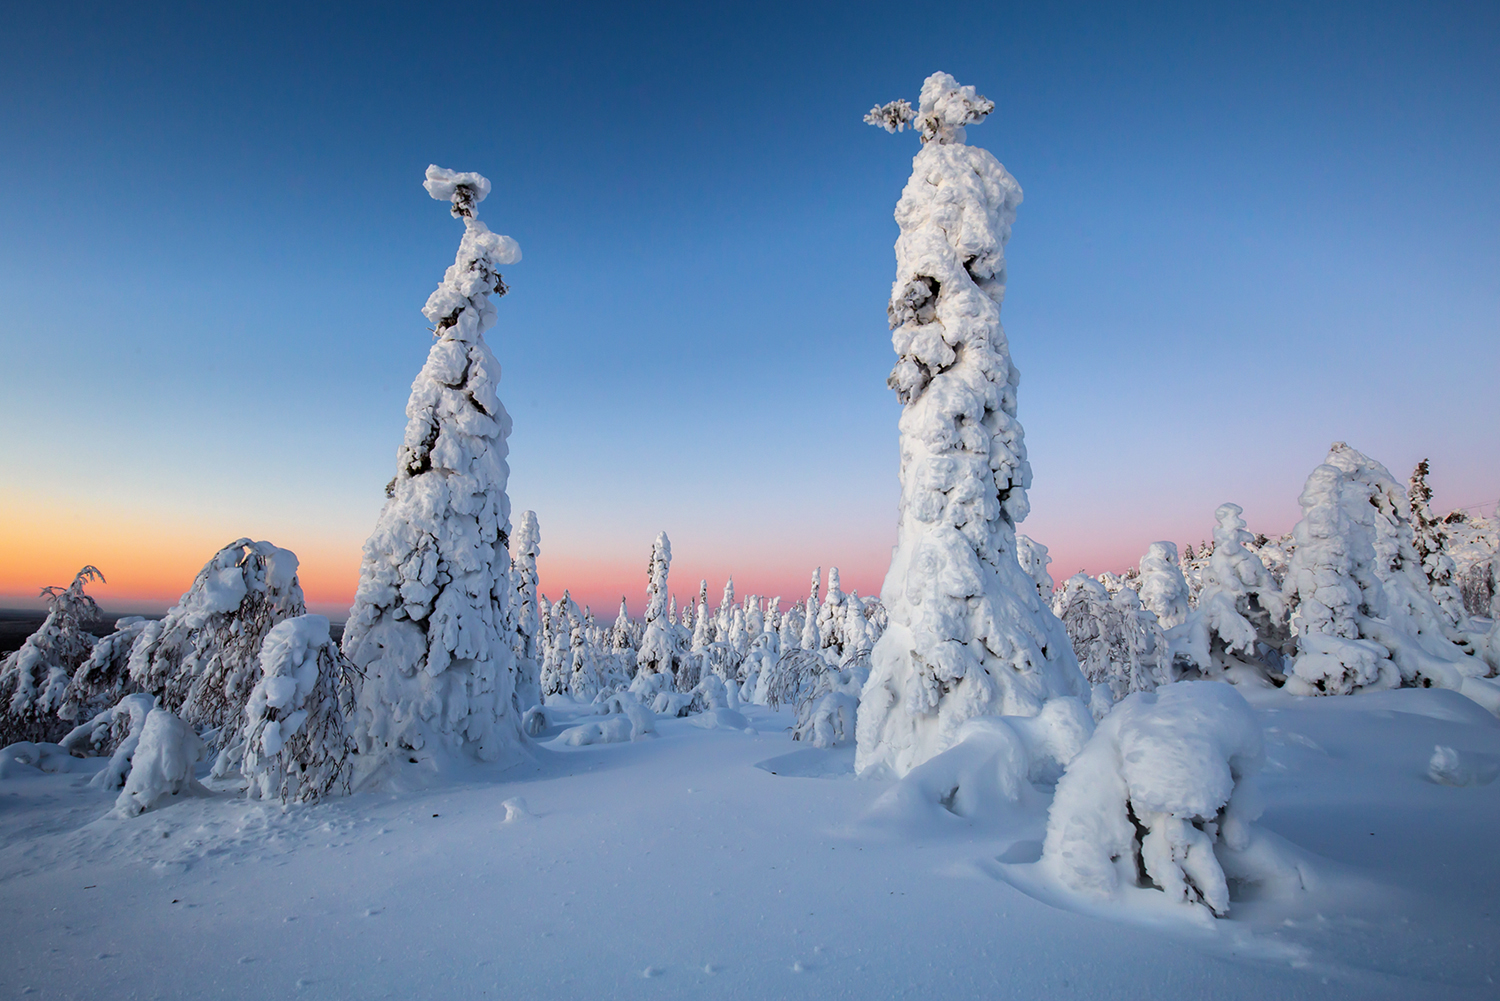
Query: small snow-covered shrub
{"x": 201, "y": 661}
{"x": 294, "y": 741}
{"x": 1158, "y": 798}
{"x": 793, "y": 677}
{"x": 827, "y": 715}
{"x": 166, "y": 756}
{"x": 34, "y": 679}
{"x": 107, "y": 731}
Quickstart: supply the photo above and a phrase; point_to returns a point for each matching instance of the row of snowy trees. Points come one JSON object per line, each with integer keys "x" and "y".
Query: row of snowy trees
{"x": 1364, "y": 593}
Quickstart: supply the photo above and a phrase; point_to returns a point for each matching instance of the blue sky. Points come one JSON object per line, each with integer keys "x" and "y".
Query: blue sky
{"x": 1248, "y": 231}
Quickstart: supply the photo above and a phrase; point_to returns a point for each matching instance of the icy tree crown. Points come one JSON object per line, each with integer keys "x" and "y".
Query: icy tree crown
{"x": 943, "y": 110}
{"x": 460, "y": 308}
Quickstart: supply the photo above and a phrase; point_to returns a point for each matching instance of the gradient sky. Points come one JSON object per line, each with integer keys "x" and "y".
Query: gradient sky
{"x": 1248, "y": 230}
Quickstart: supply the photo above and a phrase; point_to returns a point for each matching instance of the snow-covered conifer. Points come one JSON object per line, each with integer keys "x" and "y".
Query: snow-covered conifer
{"x": 1430, "y": 542}
{"x": 831, "y": 617}
{"x": 34, "y": 679}
{"x": 658, "y": 650}
{"x": 1361, "y": 610}
{"x": 296, "y": 745}
{"x": 1239, "y": 626}
{"x": 427, "y": 630}
{"x": 724, "y": 614}
{"x": 703, "y": 633}
{"x": 968, "y": 634}
{"x": 789, "y": 626}
{"x": 809, "y": 638}
{"x": 1100, "y": 637}
{"x": 202, "y": 659}
{"x": 1163, "y": 589}
{"x": 526, "y": 546}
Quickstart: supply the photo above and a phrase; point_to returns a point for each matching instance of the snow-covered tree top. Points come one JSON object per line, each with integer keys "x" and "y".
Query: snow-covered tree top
{"x": 944, "y": 109}
{"x": 465, "y": 190}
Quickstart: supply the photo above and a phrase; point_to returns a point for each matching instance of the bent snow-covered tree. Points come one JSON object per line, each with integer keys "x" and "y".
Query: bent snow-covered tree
{"x": 968, "y": 633}
{"x": 34, "y": 679}
{"x": 428, "y": 630}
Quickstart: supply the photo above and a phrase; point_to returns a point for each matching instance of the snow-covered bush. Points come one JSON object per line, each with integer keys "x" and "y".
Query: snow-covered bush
{"x": 1239, "y": 626}
{"x": 428, "y": 627}
{"x": 295, "y": 744}
{"x": 1361, "y": 610}
{"x": 166, "y": 755}
{"x": 792, "y": 678}
{"x": 103, "y": 679}
{"x": 202, "y": 659}
{"x": 828, "y": 713}
{"x": 1163, "y": 589}
{"x": 968, "y": 634}
{"x": 1119, "y": 645}
{"x": 109, "y": 731}
{"x": 34, "y": 678}
{"x": 1159, "y": 798}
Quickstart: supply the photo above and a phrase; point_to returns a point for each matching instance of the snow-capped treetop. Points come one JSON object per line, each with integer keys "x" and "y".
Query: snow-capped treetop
{"x": 1235, "y": 569}
{"x": 465, "y": 190}
{"x": 810, "y": 614}
{"x": 1033, "y": 558}
{"x": 656, "y": 578}
{"x": 1431, "y": 545}
{"x": 944, "y": 109}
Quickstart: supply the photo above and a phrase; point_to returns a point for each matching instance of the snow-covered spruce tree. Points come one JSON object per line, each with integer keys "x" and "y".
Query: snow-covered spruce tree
{"x": 1163, "y": 590}
{"x": 296, "y": 745}
{"x": 1033, "y": 558}
{"x": 526, "y": 546}
{"x": 1430, "y": 542}
{"x": 968, "y": 633}
{"x": 658, "y": 650}
{"x": 724, "y": 615}
{"x": 831, "y": 617}
{"x": 810, "y": 615}
{"x": 1239, "y": 626}
{"x": 1361, "y": 611}
{"x": 202, "y": 659}
{"x": 703, "y": 630}
{"x": 427, "y": 630}
{"x": 1101, "y": 640}
{"x": 34, "y": 679}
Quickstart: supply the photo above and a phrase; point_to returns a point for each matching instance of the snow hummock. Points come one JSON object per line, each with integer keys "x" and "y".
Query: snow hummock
{"x": 968, "y": 633}
{"x": 1159, "y": 798}
{"x": 163, "y": 765}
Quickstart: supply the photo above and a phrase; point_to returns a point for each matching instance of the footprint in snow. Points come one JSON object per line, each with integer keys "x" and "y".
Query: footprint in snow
{"x": 652, "y": 971}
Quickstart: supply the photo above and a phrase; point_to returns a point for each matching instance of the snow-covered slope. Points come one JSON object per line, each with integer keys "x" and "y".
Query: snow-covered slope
{"x": 715, "y": 862}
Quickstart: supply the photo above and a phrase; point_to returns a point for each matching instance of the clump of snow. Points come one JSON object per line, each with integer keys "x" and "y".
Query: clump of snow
{"x": 968, "y": 633}
{"x": 429, "y": 627}
{"x": 166, "y": 756}
{"x": 1159, "y": 798}
{"x": 34, "y": 678}
{"x": 202, "y": 659}
{"x": 295, "y": 744}
{"x": 1450, "y": 767}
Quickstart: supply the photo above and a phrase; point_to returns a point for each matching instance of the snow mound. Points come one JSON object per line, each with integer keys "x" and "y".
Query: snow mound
{"x": 29, "y": 758}
{"x": 1453, "y": 768}
{"x": 165, "y": 758}
{"x": 1158, "y": 798}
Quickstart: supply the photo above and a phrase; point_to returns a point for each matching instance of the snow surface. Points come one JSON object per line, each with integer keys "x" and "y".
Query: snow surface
{"x": 720, "y": 863}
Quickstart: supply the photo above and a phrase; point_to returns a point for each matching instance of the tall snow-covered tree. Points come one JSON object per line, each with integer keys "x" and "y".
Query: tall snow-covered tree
{"x": 657, "y": 652}
{"x": 1164, "y": 590}
{"x": 703, "y": 631}
{"x": 34, "y": 679}
{"x": 1032, "y": 556}
{"x": 427, "y": 630}
{"x": 1431, "y": 545}
{"x": 968, "y": 634}
{"x": 831, "y": 617}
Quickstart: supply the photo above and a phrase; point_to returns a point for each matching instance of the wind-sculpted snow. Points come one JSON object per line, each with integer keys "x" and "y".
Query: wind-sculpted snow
{"x": 969, "y": 635}
{"x": 429, "y": 631}
{"x": 1158, "y": 798}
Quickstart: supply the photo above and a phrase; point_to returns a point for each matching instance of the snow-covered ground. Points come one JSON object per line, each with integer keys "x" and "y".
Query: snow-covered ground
{"x": 736, "y": 863}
